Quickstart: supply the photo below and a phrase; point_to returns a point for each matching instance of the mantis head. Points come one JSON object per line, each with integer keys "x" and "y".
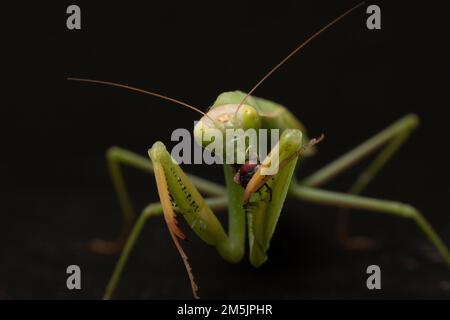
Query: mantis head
{"x": 230, "y": 132}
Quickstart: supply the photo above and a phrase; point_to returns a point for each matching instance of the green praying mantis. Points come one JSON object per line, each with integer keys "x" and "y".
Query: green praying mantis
{"x": 251, "y": 211}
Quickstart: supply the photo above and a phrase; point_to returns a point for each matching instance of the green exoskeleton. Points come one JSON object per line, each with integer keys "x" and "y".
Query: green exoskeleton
{"x": 252, "y": 212}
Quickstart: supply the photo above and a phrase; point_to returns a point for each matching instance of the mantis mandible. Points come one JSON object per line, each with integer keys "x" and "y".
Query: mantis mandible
{"x": 180, "y": 194}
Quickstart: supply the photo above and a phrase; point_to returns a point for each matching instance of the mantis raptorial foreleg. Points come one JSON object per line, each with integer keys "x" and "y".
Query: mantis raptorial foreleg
{"x": 393, "y": 138}
{"x": 344, "y": 200}
{"x": 178, "y": 194}
{"x": 152, "y": 210}
{"x": 116, "y": 157}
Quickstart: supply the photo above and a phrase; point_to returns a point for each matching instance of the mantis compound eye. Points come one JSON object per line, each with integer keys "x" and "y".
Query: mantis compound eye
{"x": 247, "y": 117}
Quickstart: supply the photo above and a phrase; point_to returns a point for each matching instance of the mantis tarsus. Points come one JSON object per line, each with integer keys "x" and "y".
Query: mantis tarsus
{"x": 180, "y": 193}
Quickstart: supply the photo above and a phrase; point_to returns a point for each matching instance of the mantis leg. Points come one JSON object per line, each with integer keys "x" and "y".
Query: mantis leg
{"x": 152, "y": 210}
{"x": 343, "y": 200}
{"x": 393, "y": 138}
{"x": 116, "y": 157}
{"x": 178, "y": 194}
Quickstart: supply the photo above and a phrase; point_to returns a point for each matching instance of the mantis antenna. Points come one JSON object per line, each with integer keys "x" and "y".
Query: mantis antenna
{"x": 297, "y": 49}
{"x": 154, "y": 94}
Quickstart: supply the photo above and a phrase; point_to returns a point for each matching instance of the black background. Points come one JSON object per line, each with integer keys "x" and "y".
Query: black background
{"x": 349, "y": 83}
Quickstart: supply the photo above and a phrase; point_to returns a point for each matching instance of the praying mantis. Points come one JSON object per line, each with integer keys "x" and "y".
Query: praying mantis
{"x": 254, "y": 201}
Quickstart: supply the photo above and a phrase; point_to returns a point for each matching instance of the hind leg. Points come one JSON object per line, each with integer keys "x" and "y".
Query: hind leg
{"x": 390, "y": 140}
